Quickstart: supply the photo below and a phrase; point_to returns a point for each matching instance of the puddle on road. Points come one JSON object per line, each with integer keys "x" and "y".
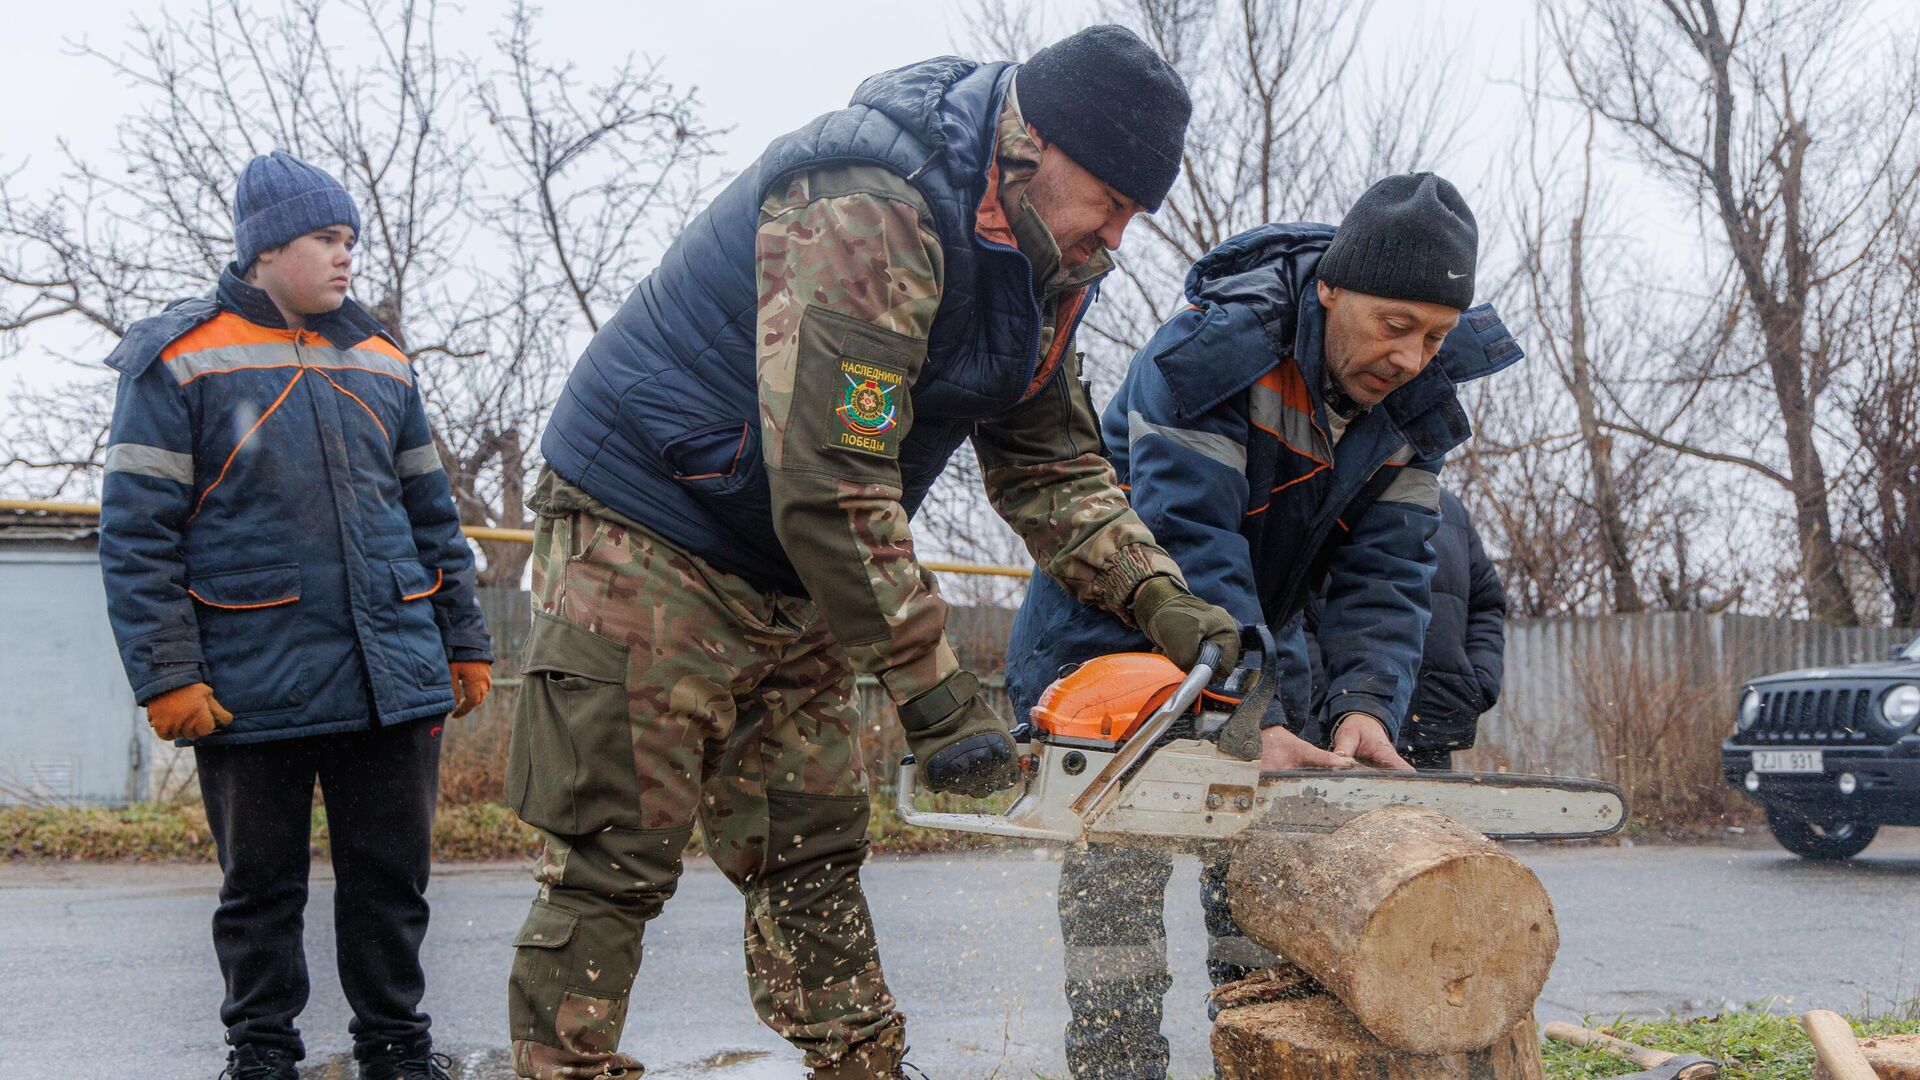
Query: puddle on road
{"x": 498, "y": 1065}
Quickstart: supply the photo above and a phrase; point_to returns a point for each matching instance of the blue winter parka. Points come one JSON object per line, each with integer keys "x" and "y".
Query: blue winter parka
{"x": 1220, "y": 433}
{"x": 275, "y": 522}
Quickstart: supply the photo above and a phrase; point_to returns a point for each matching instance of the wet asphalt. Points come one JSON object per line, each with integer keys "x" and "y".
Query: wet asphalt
{"x": 111, "y": 968}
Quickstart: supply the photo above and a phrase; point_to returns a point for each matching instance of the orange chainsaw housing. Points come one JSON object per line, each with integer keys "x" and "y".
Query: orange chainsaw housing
{"x": 1108, "y": 697}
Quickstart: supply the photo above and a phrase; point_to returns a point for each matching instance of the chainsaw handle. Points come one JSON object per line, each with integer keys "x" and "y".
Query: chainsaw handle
{"x": 907, "y": 786}
{"x": 1198, "y": 679}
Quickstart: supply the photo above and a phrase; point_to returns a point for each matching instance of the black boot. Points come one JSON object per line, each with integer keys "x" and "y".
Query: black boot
{"x": 406, "y": 1061}
{"x": 259, "y": 1063}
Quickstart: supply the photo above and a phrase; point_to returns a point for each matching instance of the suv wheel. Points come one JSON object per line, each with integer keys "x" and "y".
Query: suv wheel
{"x": 1828, "y": 842}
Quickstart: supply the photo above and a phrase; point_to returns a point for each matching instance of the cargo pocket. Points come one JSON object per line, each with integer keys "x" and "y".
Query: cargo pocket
{"x": 251, "y": 635}
{"x": 570, "y": 757}
{"x": 547, "y": 927}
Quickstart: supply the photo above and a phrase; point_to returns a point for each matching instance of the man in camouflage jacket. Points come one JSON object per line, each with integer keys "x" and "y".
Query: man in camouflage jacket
{"x": 723, "y": 535}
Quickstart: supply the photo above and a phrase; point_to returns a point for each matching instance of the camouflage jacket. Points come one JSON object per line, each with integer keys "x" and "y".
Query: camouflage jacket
{"x": 851, "y": 242}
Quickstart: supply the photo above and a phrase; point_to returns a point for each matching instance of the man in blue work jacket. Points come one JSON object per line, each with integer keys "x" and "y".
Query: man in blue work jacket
{"x": 1283, "y": 432}
{"x": 292, "y": 597}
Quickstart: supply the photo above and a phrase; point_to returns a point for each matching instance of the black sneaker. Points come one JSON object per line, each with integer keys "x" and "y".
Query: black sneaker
{"x": 259, "y": 1063}
{"x": 398, "y": 1061}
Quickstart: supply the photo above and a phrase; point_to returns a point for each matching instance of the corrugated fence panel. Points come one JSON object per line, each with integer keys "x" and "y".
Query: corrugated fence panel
{"x": 1538, "y": 724}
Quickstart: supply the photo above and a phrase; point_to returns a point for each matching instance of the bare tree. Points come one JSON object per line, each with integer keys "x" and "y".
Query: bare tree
{"x": 1882, "y": 413}
{"x": 1764, "y": 117}
{"x": 481, "y": 287}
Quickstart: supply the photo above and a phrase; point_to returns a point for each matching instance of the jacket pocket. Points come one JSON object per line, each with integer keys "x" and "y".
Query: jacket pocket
{"x": 720, "y": 467}
{"x": 714, "y": 460}
{"x": 570, "y": 766}
{"x": 413, "y": 584}
{"x": 250, "y": 633}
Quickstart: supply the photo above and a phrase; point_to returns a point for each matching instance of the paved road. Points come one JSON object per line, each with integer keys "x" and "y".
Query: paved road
{"x": 112, "y": 965}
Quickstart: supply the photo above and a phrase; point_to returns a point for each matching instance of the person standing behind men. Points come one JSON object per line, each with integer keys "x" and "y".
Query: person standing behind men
{"x": 1462, "y": 659}
{"x": 1285, "y": 430}
{"x": 293, "y": 598}
{"x": 723, "y": 539}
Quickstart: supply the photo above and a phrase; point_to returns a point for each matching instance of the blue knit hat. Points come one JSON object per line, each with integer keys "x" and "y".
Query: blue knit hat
{"x": 280, "y": 198}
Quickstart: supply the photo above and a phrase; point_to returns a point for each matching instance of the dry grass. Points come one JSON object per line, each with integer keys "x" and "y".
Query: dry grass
{"x": 1657, "y": 718}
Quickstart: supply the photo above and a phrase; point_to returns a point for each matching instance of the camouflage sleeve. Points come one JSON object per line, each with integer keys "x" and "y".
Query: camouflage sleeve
{"x": 1046, "y": 475}
{"x": 849, "y": 280}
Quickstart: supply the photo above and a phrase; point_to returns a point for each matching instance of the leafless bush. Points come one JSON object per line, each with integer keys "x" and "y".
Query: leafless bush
{"x": 1657, "y": 709}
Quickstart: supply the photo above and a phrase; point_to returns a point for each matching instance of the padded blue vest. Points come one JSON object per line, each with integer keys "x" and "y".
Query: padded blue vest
{"x": 660, "y": 418}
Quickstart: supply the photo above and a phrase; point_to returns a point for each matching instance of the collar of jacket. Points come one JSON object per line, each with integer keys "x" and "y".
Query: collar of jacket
{"x": 1258, "y": 296}
{"x": 343, "y": 327}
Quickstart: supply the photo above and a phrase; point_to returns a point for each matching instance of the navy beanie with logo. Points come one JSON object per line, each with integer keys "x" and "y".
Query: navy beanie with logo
{"x": 280, "y": 198}
{"x": 1113, "y": 105}
{"x": 1410, "y": 237}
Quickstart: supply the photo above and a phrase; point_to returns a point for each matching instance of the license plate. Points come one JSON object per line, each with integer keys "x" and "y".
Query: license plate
{"x": 1787, "y": 761}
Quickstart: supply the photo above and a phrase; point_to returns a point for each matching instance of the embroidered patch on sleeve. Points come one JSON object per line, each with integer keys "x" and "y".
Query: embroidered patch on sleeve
{"x": 869, "y": 409}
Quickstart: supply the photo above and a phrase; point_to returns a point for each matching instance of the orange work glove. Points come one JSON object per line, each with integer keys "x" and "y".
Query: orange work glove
{"x": 472, "y": 679}
{"x": 187, "y": 712}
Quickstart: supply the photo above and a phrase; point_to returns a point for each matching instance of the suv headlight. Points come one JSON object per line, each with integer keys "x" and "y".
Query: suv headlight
{"x": 1901, "y": 706}
{"x": 1749, "y": 709}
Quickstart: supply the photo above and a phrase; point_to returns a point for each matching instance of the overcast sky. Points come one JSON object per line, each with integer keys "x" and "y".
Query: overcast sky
{"x": 760, "y": 68}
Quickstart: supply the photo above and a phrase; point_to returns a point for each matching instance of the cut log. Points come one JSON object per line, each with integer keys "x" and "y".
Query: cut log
{"x": 1893, "y": 1057}
{"x": 1436, "y": 939}
{"x": 1316, "y": 1038}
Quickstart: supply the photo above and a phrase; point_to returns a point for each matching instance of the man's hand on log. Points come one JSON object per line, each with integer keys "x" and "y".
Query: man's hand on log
{"x": 1364, "y": 739}
{"x": 1281, "y": 749}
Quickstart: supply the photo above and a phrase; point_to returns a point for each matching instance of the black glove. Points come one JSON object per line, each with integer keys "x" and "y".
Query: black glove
{"x": 1179, "y": 623}
{"x": 959, "y": 742}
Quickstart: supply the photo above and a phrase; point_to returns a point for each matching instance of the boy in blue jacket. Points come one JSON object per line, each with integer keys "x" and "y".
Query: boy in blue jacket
{"x": 292, "y": 597}
{"x": 1284, "y": 432}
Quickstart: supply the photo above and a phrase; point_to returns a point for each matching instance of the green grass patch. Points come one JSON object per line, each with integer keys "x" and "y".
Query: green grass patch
{"x": 1753, "y": 1043}
{"x": 468, "y": 832}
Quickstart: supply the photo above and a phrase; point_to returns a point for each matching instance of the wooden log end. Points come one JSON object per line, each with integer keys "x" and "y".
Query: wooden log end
{"x": 1317, "y": 1038}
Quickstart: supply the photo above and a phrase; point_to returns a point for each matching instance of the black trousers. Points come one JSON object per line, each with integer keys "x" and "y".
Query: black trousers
{"x": 380, "y": 787}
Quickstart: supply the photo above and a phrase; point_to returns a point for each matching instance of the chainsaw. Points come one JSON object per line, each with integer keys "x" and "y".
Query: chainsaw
{"x": 1128, "y": 750}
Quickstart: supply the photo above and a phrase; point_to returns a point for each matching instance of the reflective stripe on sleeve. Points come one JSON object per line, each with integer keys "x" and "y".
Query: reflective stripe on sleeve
{"x": 1416, "y": 486}
{"x": 418, "y": 461}
{"x": 1217, "y": 448}
{"x": 150, "y": 461}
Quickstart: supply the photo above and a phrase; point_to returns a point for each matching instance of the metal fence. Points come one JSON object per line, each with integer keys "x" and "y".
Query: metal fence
{"x": 1557, "y": 668}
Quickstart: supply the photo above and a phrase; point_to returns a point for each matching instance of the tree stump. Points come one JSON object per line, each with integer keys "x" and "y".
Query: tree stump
{"x": 1437, "y": 940}
{"x": 1893, "y": 1057}
{"x": 1316, "y": 1038}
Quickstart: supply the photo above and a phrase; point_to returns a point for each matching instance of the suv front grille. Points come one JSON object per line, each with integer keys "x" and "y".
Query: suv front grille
{"x": 1830, "y": 714}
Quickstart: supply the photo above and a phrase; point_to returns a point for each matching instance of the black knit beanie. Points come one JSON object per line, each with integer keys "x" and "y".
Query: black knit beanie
{"x": 1113, "y": 105}
{"x": 1410, "y": 237}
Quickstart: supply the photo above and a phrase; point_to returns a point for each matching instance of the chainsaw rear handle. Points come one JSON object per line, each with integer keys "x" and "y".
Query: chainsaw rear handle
{"x": 906, "y": 784}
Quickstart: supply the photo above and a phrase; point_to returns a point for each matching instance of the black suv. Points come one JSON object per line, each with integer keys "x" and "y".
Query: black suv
{"x": 1831, "y": 754}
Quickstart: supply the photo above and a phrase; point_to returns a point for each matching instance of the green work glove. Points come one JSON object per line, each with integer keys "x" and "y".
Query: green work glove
{"x": 1179, "y": 622}
{"x": 959, "y": 742}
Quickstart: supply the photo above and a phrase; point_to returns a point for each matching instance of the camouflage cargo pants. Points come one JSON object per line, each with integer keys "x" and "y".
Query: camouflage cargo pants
{"x": 1111, "y": 921}
{"x": 658, "y": 690}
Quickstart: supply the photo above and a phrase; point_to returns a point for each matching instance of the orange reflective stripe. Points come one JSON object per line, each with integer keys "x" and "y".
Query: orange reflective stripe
{"x": 439, "y": 578}
{"x": 222, "y": 330}
{"x": 357, "y": 401}
{"x": 202, "y": 501}
{"x": 1261, "y": 510}
{"x": 1286, "y": 381}
{"x": 381, "y": 345}
{"x": 243, "y": 607}
{"x": 1316, "y": 472}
